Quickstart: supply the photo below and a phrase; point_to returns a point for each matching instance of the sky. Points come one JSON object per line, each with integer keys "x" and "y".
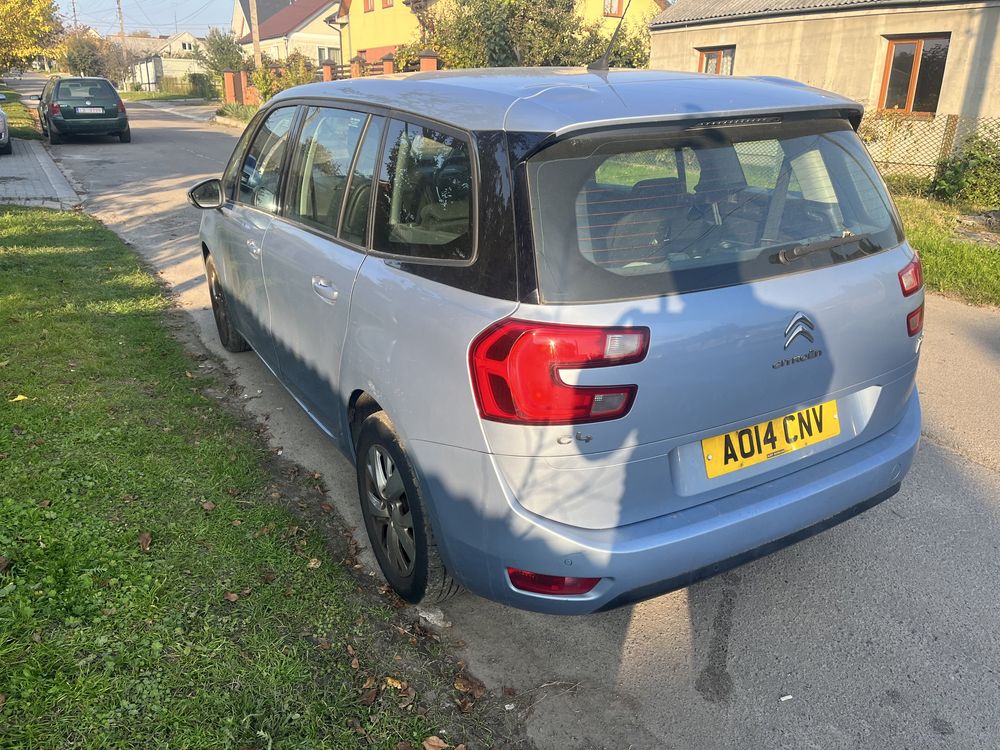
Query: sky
{"x": 154, "y": 16}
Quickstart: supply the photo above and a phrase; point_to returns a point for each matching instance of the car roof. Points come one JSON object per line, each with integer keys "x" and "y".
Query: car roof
{"x": 555, "y": 100}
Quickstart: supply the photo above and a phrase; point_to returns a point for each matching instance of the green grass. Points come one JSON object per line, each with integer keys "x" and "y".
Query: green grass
{"x": 952, "y": 264}
{"x": 22, "y": 124}
{"x": 243, "y": 112}
{"x": 136, "y": 96}
{"x": 109, "y": 431}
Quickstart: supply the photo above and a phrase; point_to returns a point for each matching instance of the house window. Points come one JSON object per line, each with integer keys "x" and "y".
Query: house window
{"x": 613, "y": 8}
{"x": 187, "y": 46}
{"x": 914, "y": 70}
{"x": 386, "y": 3}
{"x": 369, "y": 6}
{"x": 717, "y": 61}
{"x": 329, "y": 54}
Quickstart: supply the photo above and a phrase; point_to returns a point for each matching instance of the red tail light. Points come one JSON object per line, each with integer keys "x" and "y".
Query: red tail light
{"x": 55, "y": 109}
{"x": 121, "y": 106}
{"x": 538, "y": 583}
{"x": 516, "y": 371}
{"x": 915, "y": 321}
{"x": 911, "y": 278}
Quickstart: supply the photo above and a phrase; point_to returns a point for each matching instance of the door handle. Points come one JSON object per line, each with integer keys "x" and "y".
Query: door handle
{"x": 325, "y": 289}
{"x": 253, "y": 247}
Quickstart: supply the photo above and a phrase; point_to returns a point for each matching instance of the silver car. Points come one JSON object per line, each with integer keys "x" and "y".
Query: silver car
{"x": 588, "y": 337}
{"x": 6, "y": 147}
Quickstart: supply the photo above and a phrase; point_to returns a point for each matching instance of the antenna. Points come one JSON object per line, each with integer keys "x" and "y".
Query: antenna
{"x": 601, "y": 63}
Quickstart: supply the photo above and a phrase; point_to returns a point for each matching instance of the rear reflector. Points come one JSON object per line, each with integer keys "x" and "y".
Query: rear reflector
{"x": 915, "y": 321}
{"x": 537, "y": 583}
{"x": 911, "y": 278}
{"x": 516, "y": 367}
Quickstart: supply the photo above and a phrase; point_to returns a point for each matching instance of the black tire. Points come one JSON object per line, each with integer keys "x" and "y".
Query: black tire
{"x": 8, "y": 149}
{"x": 125, "y": 136}
{"x": 395, "y": 516}
{"x": 231, "y": 339}
{"x": 54, "y": 138}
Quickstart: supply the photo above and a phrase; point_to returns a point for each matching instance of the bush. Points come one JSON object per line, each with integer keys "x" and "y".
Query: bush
{"x": 909, "y": 184}
{"x": 237, "y": 111}
{"x": 972, "y": 176}
{"x": 201, "y": 85}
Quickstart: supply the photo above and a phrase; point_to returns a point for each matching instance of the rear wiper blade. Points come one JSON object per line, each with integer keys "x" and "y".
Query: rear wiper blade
{"x": 795, "y": 251}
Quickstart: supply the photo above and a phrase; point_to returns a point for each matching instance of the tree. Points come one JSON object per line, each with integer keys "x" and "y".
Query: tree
{"x": 220, "y": 51}
{"x": 27, "y": 29}
{"x": 82, "y": 54}
{"x": 297, "y": 70}
{"x": 502, "y": 33}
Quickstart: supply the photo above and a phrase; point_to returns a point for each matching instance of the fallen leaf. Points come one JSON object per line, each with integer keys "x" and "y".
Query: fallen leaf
{"x": 231, "y": 596}
{"x": 18, "y": 397}
{"x": 317, "y": 475}
{"x": 4, "y": 363}
{"x": 350, "y": 649}
{"x": 236, "y": 522}
{"x": 145, "y": 539}
{"x": 404, "y": 746}
{"x": 262, "y": 531}
{"x": 4, "y": 563}
{"x": 326, "y": 507}
{"x": 435, "y": 743}
{"x": 460, "y": 747}
{"x": 188, "y": 374}
{"x": 313, "y": 563}
{"x": 509, "y": 691}
{"x": 368, "y": 697}
{"x": 3, "y": 699}
{"x": 324, "y": 644}
{"x": 355, "y": 664}
{"x": 464, "y": 704}
{"x": 393, "y": 683}
{"x": 44, "y": 503}
{"x": 208, "y": 505}
{"x": 233, "y": 491}
{"x": 269, "y": 577}
{"x": 36, "y": 637}
{"x": 369, "y": 683}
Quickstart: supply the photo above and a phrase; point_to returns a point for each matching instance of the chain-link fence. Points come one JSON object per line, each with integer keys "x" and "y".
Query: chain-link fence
{"x": 902, "y": 144}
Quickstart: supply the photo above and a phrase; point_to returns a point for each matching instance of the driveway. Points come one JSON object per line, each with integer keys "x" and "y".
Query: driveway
{"x": 880, "y": 633}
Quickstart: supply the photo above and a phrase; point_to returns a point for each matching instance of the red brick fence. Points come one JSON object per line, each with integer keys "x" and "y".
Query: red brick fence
{"x": 237, "y": 87}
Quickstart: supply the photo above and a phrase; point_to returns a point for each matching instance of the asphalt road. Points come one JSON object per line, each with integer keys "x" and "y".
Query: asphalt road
{"x": 880, "y": 633}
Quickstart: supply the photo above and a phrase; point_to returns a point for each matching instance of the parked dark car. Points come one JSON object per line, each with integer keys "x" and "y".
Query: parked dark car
{"x": 81, "y": 106}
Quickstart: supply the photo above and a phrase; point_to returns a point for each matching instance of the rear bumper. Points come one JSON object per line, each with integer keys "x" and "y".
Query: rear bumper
{"x": 84, "y": 126}
{"x": 482, "y": 529}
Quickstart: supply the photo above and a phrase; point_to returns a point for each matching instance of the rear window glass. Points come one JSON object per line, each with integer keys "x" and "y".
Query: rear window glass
{"x": 95, "y": 89}
{"x": 620, "y": 215}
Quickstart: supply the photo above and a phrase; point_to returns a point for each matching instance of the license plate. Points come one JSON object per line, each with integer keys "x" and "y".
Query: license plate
{"x": 90, "y": 110}
{"x": 775, "y": 437}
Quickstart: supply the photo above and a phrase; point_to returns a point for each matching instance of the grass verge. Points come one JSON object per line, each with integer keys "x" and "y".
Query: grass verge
{"x": 243, "y": 112}
{"x": 137, "y": 96}
{"x": 164, "y": 582}
{"x": 22, "y": 124}
{"x": 955, "y": 265}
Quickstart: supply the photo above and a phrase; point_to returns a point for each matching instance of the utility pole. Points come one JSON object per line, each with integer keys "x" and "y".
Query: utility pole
{"x": 76, "y": 22}
{"x": 121, "y": 25}
{"x": 254, "y": 33}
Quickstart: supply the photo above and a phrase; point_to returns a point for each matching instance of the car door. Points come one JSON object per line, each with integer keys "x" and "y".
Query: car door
{"x": 245, "y": 224}
{"x": 312, "y": 255}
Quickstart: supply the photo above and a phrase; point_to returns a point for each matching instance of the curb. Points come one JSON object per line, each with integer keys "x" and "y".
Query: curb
{"x": 229, "y": 122}
{"x": 173, "y": 111}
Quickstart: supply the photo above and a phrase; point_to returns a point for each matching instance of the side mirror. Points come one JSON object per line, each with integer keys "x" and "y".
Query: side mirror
{"x": 207, "y": 194}
{"x": 35, "y": 98}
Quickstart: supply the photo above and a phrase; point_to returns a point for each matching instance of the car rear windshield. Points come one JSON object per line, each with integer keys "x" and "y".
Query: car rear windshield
{"x": 84, "y": 89}
{"x": 621, "y": 214}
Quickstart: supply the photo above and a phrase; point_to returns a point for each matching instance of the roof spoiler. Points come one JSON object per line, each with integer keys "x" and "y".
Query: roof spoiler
{"x": 851, "y": 110}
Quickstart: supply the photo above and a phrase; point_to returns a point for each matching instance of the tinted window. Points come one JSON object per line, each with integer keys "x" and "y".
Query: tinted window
{"x": 359, "y": 193}
{"x": 757, "y": 191}
{"x": 261, "y": 172}
{"x": 80, "y": 89}
{"x": 320, "y": 166}
{"x": 424, "y": 204}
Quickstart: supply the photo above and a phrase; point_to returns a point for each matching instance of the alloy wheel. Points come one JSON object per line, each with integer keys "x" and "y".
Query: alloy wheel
{"x": 390, "y": 512}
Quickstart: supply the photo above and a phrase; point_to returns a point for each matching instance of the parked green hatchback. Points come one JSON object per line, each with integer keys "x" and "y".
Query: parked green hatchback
{"x": 81, "y": 106}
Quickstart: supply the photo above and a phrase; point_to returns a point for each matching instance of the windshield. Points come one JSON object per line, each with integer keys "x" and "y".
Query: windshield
{"x": 626, "y": 214}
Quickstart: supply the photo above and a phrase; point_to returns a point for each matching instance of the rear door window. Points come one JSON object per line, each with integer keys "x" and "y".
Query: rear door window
{"x": 260, "y": 175}
{"x": 620, "y": 215}
{"x": 425, "y": 200}
{"x": 354, "y": 225}
{"x": 321, "y": 166}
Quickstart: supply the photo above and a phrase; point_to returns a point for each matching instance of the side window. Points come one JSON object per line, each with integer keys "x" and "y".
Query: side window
{"x": 424, "y": 204}
{"x": 321, "y": 164}
{"x": 229, "y": 183}
{"x": 261, "y": 172}
{"x": 354, "y": 227}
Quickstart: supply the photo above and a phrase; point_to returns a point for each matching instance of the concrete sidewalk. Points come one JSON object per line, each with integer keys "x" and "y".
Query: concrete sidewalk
{"x": 29, "y": 177}
{"x": 192, "y": 109}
